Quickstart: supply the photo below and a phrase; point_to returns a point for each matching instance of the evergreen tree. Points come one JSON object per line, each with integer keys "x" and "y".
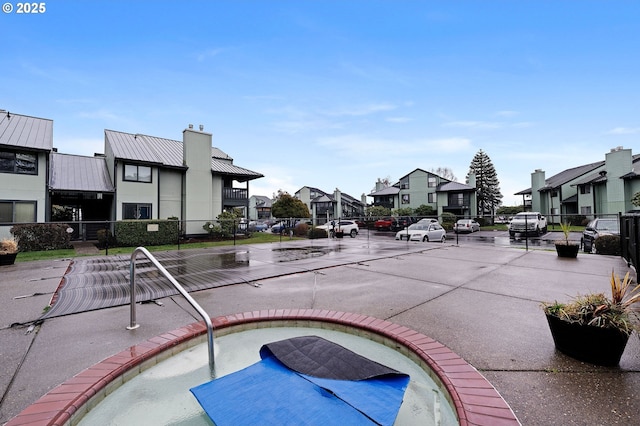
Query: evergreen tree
{"x": 488, "y": 196}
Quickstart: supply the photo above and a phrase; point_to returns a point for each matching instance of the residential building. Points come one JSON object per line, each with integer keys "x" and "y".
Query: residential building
{"x": 421, "y": 187}
{"x": 25, "y": 146}
{"x": 260, "y": 208}
{"x": 137, "y": 177}
{"x": 600, "y": 188}
{"x": 323, "y": 205}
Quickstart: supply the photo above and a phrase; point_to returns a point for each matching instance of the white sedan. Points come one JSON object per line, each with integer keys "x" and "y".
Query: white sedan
{"x": 423, "y": 232}
{"x": 346, "y": 226}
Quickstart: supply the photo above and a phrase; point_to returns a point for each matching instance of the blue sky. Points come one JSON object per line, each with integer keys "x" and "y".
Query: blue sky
{"x": 336, "y": 94}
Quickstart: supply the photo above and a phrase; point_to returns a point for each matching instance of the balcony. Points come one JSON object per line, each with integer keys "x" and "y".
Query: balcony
{"x": 239, "y": 194}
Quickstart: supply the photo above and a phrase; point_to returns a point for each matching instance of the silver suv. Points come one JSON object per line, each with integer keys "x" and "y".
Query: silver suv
{"x": 596, "y": 228}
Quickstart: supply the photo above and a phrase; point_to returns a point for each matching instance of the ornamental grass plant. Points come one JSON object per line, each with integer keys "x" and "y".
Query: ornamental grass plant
{"x": 8, "y": 246}
{"x": 619, "y": 311}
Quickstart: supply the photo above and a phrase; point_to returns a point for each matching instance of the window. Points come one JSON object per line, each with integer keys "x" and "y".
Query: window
{"x": 17, "y": 211}
{"x": 585, "y": 189}
{"x": 136, "y": 211}
{"x": 456, "y": 199}
{"x": 585, "y": 210}
{"x": 405, "y": 199}
{"x": 432, "y": 182}
{"x": 18, "y": 162}
{"x": 404, "y": 183}
{"x": 431, "y": 197}
{"x": 134, "y": 173}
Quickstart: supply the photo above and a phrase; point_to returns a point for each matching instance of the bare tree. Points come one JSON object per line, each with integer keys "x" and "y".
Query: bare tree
{"x": 444, "y": 172}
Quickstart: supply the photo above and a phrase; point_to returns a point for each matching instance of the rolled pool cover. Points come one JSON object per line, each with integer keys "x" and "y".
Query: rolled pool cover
{"x": 305, "y": 380}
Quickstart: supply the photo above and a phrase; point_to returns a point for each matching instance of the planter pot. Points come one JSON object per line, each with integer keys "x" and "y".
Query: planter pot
{"x": 567, "y": 250}
{"x": 596, "y": 345}
{"x": 8, "y": 258}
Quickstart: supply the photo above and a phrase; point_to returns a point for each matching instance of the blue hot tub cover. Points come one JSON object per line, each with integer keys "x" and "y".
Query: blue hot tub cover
{"x": 305, "y": 380}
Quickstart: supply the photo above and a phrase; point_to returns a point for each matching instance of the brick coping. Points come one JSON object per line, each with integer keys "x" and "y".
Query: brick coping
{"x": 475, "y": 400}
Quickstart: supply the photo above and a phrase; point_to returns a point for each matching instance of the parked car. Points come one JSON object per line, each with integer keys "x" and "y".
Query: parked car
{"x": 279, "y": 227}
{"x": 423, "y": 232}
{"x": 383, "y": 224}
{"x": 466, "y": 225}
{"x": 596, "y": 228}
{"x": 428, "y": 220}
{"x": 255, "y": 226}
{"x": 401, "y": 222}
{"x": 348, "y": 227}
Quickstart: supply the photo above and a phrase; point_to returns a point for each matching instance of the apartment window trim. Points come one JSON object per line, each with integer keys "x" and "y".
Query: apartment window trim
{"x": 406, "y": 199}
{"x": 10, "y": 162}
{"x": 135, "y": 177}
{"x": 126, "y": 208}
{"x": 432, "y": 182}
{"x": 13, "y": 204}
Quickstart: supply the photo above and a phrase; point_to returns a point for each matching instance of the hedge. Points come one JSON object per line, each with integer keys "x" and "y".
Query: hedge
{"x": 608, "y": 244}
{"x": 131, "y": 233}
{"x": 41, "y": 236}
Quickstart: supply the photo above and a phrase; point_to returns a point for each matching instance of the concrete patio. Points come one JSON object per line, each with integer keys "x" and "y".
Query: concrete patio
{"x": 481, "y": 301}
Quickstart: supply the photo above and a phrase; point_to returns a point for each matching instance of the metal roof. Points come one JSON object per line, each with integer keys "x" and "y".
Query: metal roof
{"x": 169, "y": 153}
{"x": 454, "y": 186}
{"x": 143, "y": 148}
{"x": 565, "y": 176}
{"x": 26, "y": 132}
{"x": 390, "y": 190}
{"x": 78, "y": 173}
{"x": 239, "y": 173}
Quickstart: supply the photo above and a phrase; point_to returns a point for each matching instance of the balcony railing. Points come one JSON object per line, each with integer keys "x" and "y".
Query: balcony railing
{"x": 235, "y": 193}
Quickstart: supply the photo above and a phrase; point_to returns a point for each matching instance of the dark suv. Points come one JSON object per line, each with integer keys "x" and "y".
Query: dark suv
{"x": 401, "y": 222}
{"x": 596, "y": 228}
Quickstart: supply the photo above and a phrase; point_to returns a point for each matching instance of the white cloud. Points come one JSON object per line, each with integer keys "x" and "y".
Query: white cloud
{"x": 361, "y": 110}
{"x": 210, "y": 53}
{"x": 624, "y": 131}
{"x": 507, "y": 113}
{"x": 79, "y": 146}
{"x": 100, "y": 114}
{"x": 398, "y": 119}
{"x": 360, "y": 146}
{"x": 474, "y": 124}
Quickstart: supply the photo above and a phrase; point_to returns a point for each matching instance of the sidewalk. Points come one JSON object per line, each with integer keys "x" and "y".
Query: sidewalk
{"x": 480, "y": 301}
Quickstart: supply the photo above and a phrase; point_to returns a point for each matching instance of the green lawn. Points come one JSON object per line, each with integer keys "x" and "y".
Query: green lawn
{"x": 256, "y": 238}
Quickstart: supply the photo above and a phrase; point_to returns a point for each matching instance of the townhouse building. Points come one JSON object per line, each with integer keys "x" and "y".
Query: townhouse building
{"x": 421, "y": 187}
{"x": 600, "y": 188}
{"x": 137, "y": 177}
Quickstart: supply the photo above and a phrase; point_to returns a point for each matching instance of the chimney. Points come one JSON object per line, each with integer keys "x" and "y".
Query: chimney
{"x": 201, "y": 127}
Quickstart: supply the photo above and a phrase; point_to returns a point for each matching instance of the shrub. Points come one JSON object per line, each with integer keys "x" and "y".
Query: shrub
{"x": 42, "y": 236}
{"x": 575, "y": 219}
{"x": 482, "y": 221}
{"x": 608, "y": 244}
{"x": 315, "y": 233}
{"x": 214, "y": 231}
{"x": 131, "y": 233}
{"x": 105, "y": 236}
{"x": 448, "y": 219}
{"x": 301, "y": 229}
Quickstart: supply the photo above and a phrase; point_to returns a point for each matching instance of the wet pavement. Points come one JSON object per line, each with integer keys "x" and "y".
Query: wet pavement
{"x": 479, "y": 298}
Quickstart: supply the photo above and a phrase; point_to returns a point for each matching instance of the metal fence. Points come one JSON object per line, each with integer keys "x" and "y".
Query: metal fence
{"x": 630, "y": 238}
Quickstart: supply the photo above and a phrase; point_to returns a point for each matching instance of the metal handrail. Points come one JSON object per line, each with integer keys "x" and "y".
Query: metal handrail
{"x": 192, "y": 302}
